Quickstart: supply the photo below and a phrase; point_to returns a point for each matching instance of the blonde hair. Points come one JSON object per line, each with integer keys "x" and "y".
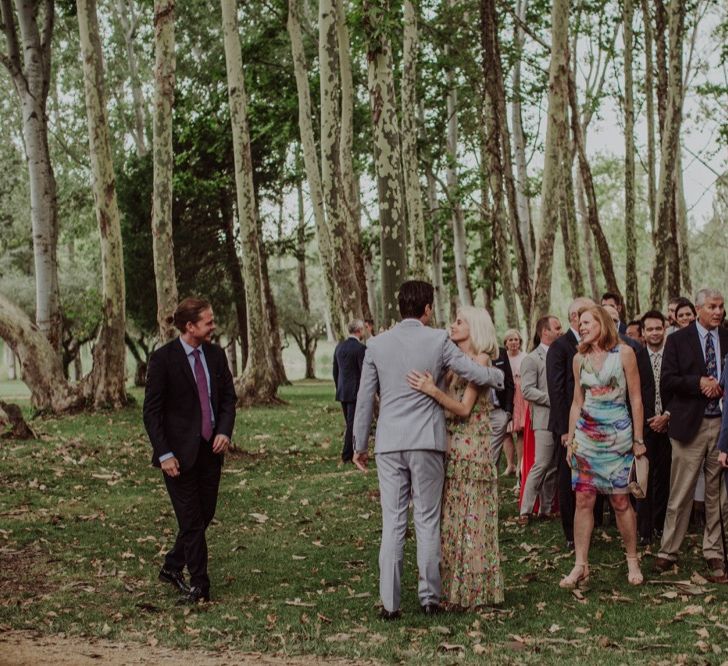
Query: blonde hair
{"x": 513, "y": 332}
{"x": 608, "y": 336}
{"x": 483, "y": 338}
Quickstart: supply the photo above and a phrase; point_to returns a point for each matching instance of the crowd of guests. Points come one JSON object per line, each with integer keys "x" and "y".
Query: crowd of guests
{"x": 571, "y": 414}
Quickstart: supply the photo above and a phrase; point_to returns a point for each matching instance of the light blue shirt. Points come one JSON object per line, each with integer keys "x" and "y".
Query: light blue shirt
{"x": 189, "y": 349}
{"x": 703, "y": 333}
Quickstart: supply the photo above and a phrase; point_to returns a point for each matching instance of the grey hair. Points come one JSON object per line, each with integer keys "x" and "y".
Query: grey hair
{"x": 704, "y": 294}
{"x": 356, "y": 325}
{"x": 579, "y": 303}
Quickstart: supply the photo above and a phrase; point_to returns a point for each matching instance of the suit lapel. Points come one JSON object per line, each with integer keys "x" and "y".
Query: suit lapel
{"x": 697, "y": 348}
{"x": 207, "y": 349}
{"x": 184, "y": 363}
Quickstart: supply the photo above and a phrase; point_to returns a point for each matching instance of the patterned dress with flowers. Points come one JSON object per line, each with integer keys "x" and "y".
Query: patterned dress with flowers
{"x": 602, "y": 452}
{"x": 471, "y": 573}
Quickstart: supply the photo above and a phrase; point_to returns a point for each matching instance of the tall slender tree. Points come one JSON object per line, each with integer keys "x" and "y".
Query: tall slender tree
{"x": 632, "y": 301}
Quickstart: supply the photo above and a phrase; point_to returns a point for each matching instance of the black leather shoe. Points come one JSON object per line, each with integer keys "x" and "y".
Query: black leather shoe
{"x": 431, "y": 609}
{"x": 384, "y": 614}
{"x": 175, "y": 578}
{"x": 193, "y": 596}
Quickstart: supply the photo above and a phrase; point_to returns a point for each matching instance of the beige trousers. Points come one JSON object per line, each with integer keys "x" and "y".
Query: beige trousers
{"x": 688, "y": 458}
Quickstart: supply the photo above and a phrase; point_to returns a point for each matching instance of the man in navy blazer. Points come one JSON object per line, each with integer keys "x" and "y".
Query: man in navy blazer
{"x": 348, "y": 361}
{"x": 189, "y": 413}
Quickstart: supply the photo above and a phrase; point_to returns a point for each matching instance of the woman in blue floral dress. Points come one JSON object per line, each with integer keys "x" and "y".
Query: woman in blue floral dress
{"x": 470, "y": 567}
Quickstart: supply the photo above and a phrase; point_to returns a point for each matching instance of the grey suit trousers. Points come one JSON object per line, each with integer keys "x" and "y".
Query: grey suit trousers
{"x": 420, "y": 474}
{"x": 499, "y": 421}
{"x": 541, "y": 480}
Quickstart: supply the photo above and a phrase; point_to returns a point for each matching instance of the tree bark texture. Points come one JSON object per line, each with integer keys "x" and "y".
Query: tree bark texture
{"x": 413, "y": 190}
{"x": 311, "y": 165}
{"x": 666, "y": 251}
{"x": 555, "y": 150}
{"x": 236, "y": 277}
{"x": 569, "y": 231}
{"x": 162, "y": 243}
{"x": 107, "y": 380}
{"x": 438, "y": 282}
{"x": 632, "y": 293}
{"x": 10, "y": 366}
{"x": 387, "y": 158}
{"x": 28, "y": 60}
{"x": 258, "y": 382}
{"x": 650, "y": 113}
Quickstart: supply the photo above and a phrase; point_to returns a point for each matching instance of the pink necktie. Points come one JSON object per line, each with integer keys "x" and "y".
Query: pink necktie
{"x": 202, "y": 394}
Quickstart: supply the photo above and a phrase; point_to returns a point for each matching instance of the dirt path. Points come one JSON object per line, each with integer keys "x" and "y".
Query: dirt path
{"x": 26, "y": 648}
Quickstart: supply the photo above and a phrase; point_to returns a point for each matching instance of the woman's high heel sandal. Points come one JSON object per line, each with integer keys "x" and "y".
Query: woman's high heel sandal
{"x": 579, "y": 576}
{"x": 634, "y": 575}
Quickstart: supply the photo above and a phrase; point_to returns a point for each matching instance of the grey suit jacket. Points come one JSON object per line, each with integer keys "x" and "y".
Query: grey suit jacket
{"x": 535, "y": 388}
{"x": 408, "y": 419}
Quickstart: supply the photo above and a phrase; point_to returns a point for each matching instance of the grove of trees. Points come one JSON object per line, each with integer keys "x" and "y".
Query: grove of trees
{"x": 295, "y": 161}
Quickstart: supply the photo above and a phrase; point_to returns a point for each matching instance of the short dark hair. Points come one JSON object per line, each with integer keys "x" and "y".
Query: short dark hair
{"x": 542, "y": 324}
{"x": 683, "y": 302}
{"x": 637, "y": 323}
{"x": 611, "y": 296}
{"x": 674, "y": 300}
{"x": 653, "y": 314}
{"x": 414, "y": 296}
{"x": 189, "y": 311}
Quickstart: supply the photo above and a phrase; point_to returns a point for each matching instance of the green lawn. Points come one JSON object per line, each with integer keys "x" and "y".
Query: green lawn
{"x": 84, "y": 521}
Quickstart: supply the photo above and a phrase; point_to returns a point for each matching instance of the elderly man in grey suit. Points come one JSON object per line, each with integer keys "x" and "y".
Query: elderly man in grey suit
{"x": 541, "y": 481}
{"x": 411, "y": 439}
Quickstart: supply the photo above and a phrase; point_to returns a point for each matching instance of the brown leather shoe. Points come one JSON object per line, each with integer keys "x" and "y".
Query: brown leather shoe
{"x": 662, "y": 564}
{"x": 717, "y": 570}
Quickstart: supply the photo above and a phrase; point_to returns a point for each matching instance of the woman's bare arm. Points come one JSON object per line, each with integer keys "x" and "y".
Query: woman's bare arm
{"x": 578, "y": 401}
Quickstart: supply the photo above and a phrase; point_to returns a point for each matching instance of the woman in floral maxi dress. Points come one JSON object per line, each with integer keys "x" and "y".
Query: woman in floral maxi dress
{"x": 470, "y": 566}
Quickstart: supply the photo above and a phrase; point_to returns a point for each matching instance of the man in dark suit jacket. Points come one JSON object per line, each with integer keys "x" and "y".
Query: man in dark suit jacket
{"x": 502, "y": 411}
{"x": 560, "y": 382}
{"x": 615, "y": 300}
{"x": 189, "y": 413}
{"x": 691, "y": 365}
{"x": 348, "y": 361}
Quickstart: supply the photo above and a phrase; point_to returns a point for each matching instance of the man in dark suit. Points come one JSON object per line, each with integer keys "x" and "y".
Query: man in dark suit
{"x": 689, "y": 387}
{"x": 502, "y": 412}
{"x": 615, "y": 300}
{"x": 348, "y": 361}
{"x": 560, "y": 382}
{"x": 189, "y": 413}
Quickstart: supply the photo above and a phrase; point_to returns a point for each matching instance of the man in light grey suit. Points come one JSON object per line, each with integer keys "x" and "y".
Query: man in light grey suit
{"x": 411, "y": 439}
{"x": 541, "y": 481}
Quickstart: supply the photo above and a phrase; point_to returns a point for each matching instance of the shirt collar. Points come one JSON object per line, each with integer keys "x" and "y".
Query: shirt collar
{"x": 659, "y": 351}
{"x": 189, "y": 348}
{"x": 543, "y": 346}
{"x": 576, "y": 334}
{"x": 703, "y": 332}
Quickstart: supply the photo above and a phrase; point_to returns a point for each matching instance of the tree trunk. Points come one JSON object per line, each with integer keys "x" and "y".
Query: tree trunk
{"x": 106, "y": 384}
{"x": 310, "y": 357}
{"x": 311, "y": 164}
{"x": 413, "y": 190}
{"x": 605, "y": 254}
{"x": 331, "y": 170}
{"x": 231, "y": 351}
{"x": 301, "y": 250}
{"x": 519, "y": 143}
{"x": 650, "y": 112}
{"x": 162, "y": 243}
{"x": 460, "y": 241}
{"x": 683, "y": 235}
{"x": 274, "y": 344}
{"x": 555, "y": 150}
{"x": 666, "y": 250}
{"x": 235, "y": 273}
{"x": 387, "y": 157}
{"x": 28, "y": 61}
{"x": 125, "y": 14}
{"x": 258, "y": 382}
{"x": 569, "y": 231}
{"x": 10, "y": 366}
{"x": 441, "y": 296}
{"x": 633, "y": 300}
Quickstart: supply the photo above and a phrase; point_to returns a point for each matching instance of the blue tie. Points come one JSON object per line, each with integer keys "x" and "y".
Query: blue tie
{"x": 711, "y": 366}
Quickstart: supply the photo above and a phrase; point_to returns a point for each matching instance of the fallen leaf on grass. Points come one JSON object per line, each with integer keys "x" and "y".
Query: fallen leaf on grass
{"x": 698, "y": 579}
{"x": 298, "y": 557}
{"x": 581, "y": 630}
{"x": 323, "y": 618}
{"x": 670, "y": 594}
{"x": 688, "y": 611}
{"x": 298, "y": 602}
{"x": 259, "y": 517}
{"x": 338, "y": 638}
{"x": 479, "y": 649}
{"x": 451, "y": 647}
{"x": 554, "y": 628}
{"x": 439, "y": 629}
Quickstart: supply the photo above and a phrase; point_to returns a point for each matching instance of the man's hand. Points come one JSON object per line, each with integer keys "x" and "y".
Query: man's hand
{"x": 659, "y": 423}
{"x": 564, "y": 439}
{"x": 171, "y": 467}
{"x": 710, "y": 387}
{"x": 220, "y": 444}
{"x": 723, "y": 459}
{"x": 361, "y": 460}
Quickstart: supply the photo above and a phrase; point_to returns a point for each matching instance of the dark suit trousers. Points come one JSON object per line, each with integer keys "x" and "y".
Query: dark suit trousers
{"x": 651, "y": 510}
{"x": 194, "y": 498}
{"x": 347, "y": 453}
{"x": 567, "y": 503}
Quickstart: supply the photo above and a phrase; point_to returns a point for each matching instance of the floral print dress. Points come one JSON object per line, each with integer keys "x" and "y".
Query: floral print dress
{"x": 471, "y": 572}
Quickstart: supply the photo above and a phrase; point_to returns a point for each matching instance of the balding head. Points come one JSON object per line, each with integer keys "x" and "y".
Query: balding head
{"x": 574, "y": 307}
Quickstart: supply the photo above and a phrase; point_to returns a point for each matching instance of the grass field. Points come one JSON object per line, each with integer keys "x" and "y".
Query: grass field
{"x": 85, "y": 520}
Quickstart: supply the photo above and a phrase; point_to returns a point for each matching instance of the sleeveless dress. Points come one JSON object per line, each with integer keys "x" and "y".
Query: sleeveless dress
{"x": 471, "y": 573}
{"x": 519, "y": 402}
{"x": 603, "y": 438}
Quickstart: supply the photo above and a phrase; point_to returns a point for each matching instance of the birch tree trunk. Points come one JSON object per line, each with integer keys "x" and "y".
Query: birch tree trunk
{"x": 554, "y": 154}
{"x": 632, "y": 300}
{"x": 162, "y": 244}
{"x": 236, "y": 277}
{"x": 107, "y": 381}
{"x": 10, "y": 365}
{"x": 666, "y": 231}
{"x": 441, "y": 296}
{"x": 415, "y": 213}
{"x": 332, "y": 176}
{"x": 650, "y": 113}
{"x": 28, "y": 61}
{"x": 683, "y": 235}
{"x": 313, "y": 173}
{"x": 258, "y": 382}
{"x": 569, "y": 231}
{"x": 387, "y": 158}
{"x": 125, "y": 14}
